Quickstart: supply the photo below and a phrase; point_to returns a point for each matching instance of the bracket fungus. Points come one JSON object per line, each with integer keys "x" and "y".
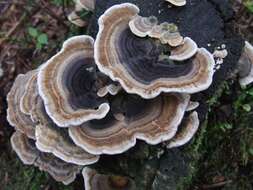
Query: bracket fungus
{"x": 188, "y": 129}
{"x": 246, "y": 65}
{"x": 29, "y": 154}
{"x": 47, "y": 135}
{"x": 68, "y": 95}
{"x": 95, "y": 181}
{"x": 51, "y": 140}
{"x": 133, "y": 84}
{"x": 134, "y": 61}
{"x": 156, "y": 122}
{"x": 15, "y": 116}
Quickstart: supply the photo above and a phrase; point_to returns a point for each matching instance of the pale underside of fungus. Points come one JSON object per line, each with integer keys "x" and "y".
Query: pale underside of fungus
{"x": 146, "y": 71}
{"x": 246, "y": 65}
{"x": 177, "y": 2}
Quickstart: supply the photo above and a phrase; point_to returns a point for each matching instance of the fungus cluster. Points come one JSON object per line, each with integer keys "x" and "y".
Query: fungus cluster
{"x": 94, "y": 97}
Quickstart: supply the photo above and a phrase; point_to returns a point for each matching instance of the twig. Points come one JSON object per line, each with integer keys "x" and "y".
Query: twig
{"x": 13, "y": 29}
{"x": 52, "y": 14}
{"x": 215, "y": 185}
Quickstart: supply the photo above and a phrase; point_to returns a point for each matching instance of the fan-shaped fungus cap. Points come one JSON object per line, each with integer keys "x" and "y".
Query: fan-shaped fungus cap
{"x": 173, "y": 39}
{"x": 246, "y": 65}
{"x": 142, "y": 26}
{"x": 52, "y": 140}
{"x": 15, "y": 116}
{"x": 156, "y": 122}
{"x": 30, "y": 94}
{"x": 24, "y": 148}
{"x": 59, "y": 170}
{"x": 178, "y": 3}
{"x": 49, "y": 138}
{"x": 188, "y": 129}
{"x": 67, "y": 84}
{"x": 185, "y": 51}
{"x": 27, "y": 152}
{"x": 134, "y": 62}
{"x": 96, "y": 181}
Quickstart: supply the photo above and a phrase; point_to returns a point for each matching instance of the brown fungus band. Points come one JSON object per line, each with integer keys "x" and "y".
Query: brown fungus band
{"x": 49, "y": 138}
{"x": 156, "y": 122}
{"x": 67, "y": 84}
{"x": 135, "y": 62}
{"x": 20, "y": 120}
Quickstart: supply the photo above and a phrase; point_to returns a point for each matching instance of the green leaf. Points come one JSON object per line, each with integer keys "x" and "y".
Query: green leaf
{"x": 250, "y": 92}
{"x": 38, "y": 46}
{"x": 33, "y": 32}
{"x": 246, "y": 107}
{"x": 249, "y": 5}
{"x": 228, "y": 126}
{"x": 42, "y": 39}
{"x": 251, "y": 151}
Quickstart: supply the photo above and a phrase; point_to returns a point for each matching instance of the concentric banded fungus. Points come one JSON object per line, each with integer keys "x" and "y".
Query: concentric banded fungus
{"x": 157, "y": 121}
{"x": 24, "y": 148}
{"x": 178, "y": 3}
{"x": 188, "y": 129}
{"x": 51, "y": 140}
{"x": 66, "y": 84}
{"x": 15, "y": 116}
{"x": 142, "y": 26}
{"x": 27, "y": 152}
{"x": 59, "y": 170}
{"x": 246, "y": 65}
{"x": 135, "y": 63}
{"x": 96, "y": 181}
{"x": 30, "y": 94}
{"x": 174, "y": 39}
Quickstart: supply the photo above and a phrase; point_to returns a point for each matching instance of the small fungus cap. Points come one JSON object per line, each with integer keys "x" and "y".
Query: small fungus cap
{"x": 66, "y": 84}
{"x": 178, "y": 3}
{"x": 142, "y": 26}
